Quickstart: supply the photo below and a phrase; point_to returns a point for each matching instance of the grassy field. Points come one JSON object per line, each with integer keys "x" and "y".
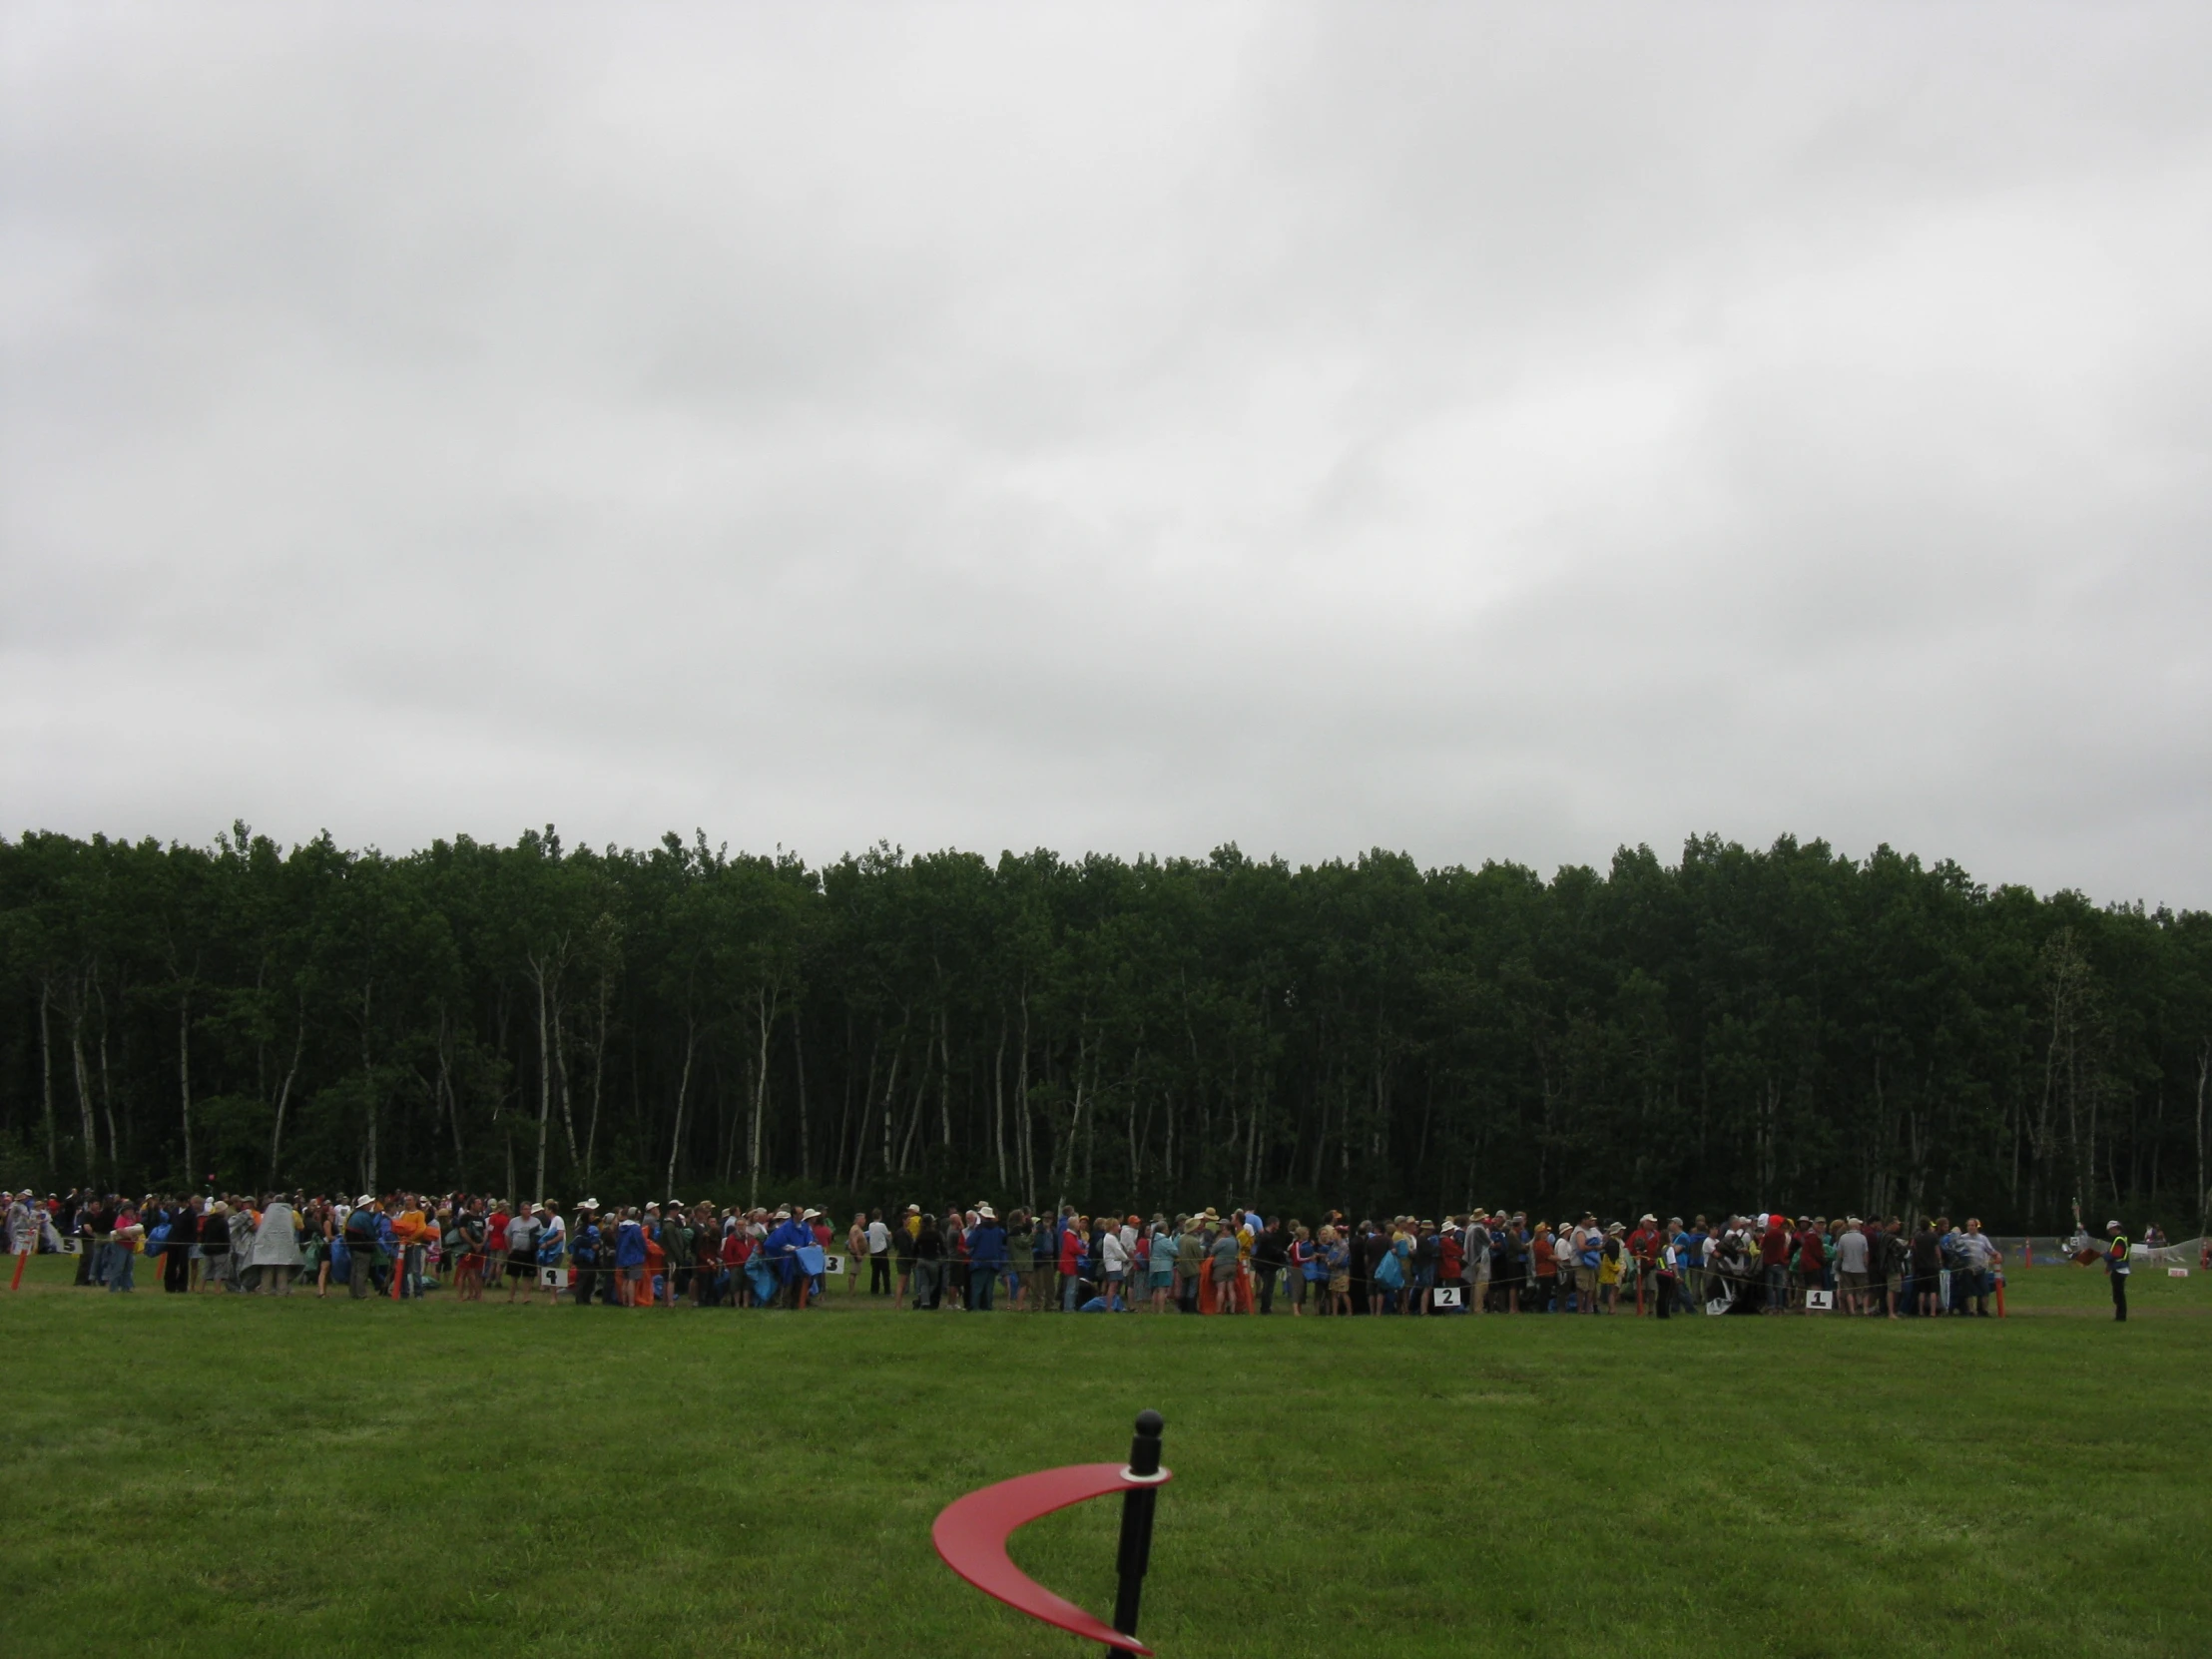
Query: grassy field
{"x": 305, "y": 1478}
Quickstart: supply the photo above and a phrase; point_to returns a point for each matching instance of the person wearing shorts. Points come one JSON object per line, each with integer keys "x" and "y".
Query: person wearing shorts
{"x": 1851, "y": 1257}
{"x": 1337, "y": 1257}
{"x": 522, "y": 1255}
{"x": 495, "y": 1241}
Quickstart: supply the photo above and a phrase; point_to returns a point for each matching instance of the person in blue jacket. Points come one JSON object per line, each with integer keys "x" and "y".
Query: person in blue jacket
{"x": 583, "y": 1255}
{"x": 986, "y": 1248}
{"x": 629, "y": 1259}
{"x": 785, "y": 1241}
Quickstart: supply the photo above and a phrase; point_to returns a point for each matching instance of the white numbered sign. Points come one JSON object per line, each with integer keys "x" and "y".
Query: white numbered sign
{"x": 1818, "y": 1302}
{"x": 1448, "y": 1296}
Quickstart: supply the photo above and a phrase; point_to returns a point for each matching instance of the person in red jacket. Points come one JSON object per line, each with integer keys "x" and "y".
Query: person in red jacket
{"x": 1811, "y": 1264}
{"x": 1452, "y": 1262}
{"x": 1071, "y": 1264}
{"x": 1644, "y": 1245}
{"x": 1774, "y": 1264}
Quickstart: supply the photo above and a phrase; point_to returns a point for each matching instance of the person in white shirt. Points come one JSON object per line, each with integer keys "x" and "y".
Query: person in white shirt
{"x": 522, "y": 1256}
{"x": 878, "y": 1256}
{"x": 1851, "y": 1267}
{"x": 1115, "y": 1257}
{"x": 1978, "y": 1259}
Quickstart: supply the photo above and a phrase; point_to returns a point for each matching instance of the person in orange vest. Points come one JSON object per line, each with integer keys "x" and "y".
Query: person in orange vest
{"x": 2116, "y": 1268}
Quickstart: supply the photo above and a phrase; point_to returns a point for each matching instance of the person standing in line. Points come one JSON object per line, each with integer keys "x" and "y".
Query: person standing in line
{"x": 956, "y": 1258}
{"x": 214, "y": 1246}
{"x": 1612, "y": 1266}
{"x": 878, "y": 1256}
{"x": 1588, "y": 1251}
{"x": 1645, "y": 1246}
{"x": 552, "y": 1248}
{"x": 124, "y": 1249}
{"x": 855, "y": 1250}
{"x": 1113, "y": 1267}
{"x": 1927, "y": 1268}
{"x": 410, "y": 1232}
{"x": 2116, "y": 1268}
{"x": 1544, "y": 1257}
{"x": 522, "y": 1256}
{"x": 1021, "y": 1258}
{"x": 1221, "y": 1268}
{"x": 1480, "y": 1262}
{"x": 1452, "y": 1262}
{"x": 472, "y": 1230}
{"x": 1982, "y": 1260}
{"x": 276, "y": 1246}
{"x": 1071, "y": 1266}
{"x": 495, "y": 1242}
{"x": 1774, "y": 1264}
{"x": 1850, "y": 1266}
{"x": 986, "y": 1253}
{"x": 183, "y": 1234}
{"x": 928, "y": 1264}
{"x": 1886, "y": 1245}
{"x": 91, "y": 1232}
{"x": 905, "y": 1239}
{"x": 583, "y": 1255}
{"x": 1812, "y": 1266}
{"x": 1337, "y": 1258}
{"x": 629, "y": 1258}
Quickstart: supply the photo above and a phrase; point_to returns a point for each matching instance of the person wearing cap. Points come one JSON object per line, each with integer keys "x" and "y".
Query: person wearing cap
{"x": 2116, "y": 1268}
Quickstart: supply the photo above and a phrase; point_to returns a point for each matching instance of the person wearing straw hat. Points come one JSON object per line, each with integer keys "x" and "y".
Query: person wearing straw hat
{"x": 986, "y": 1252}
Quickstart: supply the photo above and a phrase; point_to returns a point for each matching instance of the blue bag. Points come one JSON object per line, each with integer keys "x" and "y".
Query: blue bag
{"x": 762, "y": 1279}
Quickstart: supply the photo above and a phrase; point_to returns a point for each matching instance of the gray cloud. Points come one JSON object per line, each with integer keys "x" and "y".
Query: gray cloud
{"x": 1490, "y": 434}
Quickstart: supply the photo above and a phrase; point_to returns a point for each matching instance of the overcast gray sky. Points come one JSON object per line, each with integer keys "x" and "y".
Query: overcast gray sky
{"x": 1487, "y": 431}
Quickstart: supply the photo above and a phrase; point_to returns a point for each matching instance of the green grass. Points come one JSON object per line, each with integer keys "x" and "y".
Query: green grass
{"x": 253, "y": 1476}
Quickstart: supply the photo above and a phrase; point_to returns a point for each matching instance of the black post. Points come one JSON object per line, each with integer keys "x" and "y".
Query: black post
{"x": 1136, "y": 1522}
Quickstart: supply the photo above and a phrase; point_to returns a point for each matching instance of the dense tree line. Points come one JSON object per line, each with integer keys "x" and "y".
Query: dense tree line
{"x": 1786, "y": 1027}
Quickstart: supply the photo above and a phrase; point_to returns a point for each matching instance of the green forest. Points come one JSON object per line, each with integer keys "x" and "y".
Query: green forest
{"x": 1744, "y": 1027}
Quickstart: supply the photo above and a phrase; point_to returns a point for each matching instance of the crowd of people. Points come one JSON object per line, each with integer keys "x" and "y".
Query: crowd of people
{"x": 1235, "y": 1261}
